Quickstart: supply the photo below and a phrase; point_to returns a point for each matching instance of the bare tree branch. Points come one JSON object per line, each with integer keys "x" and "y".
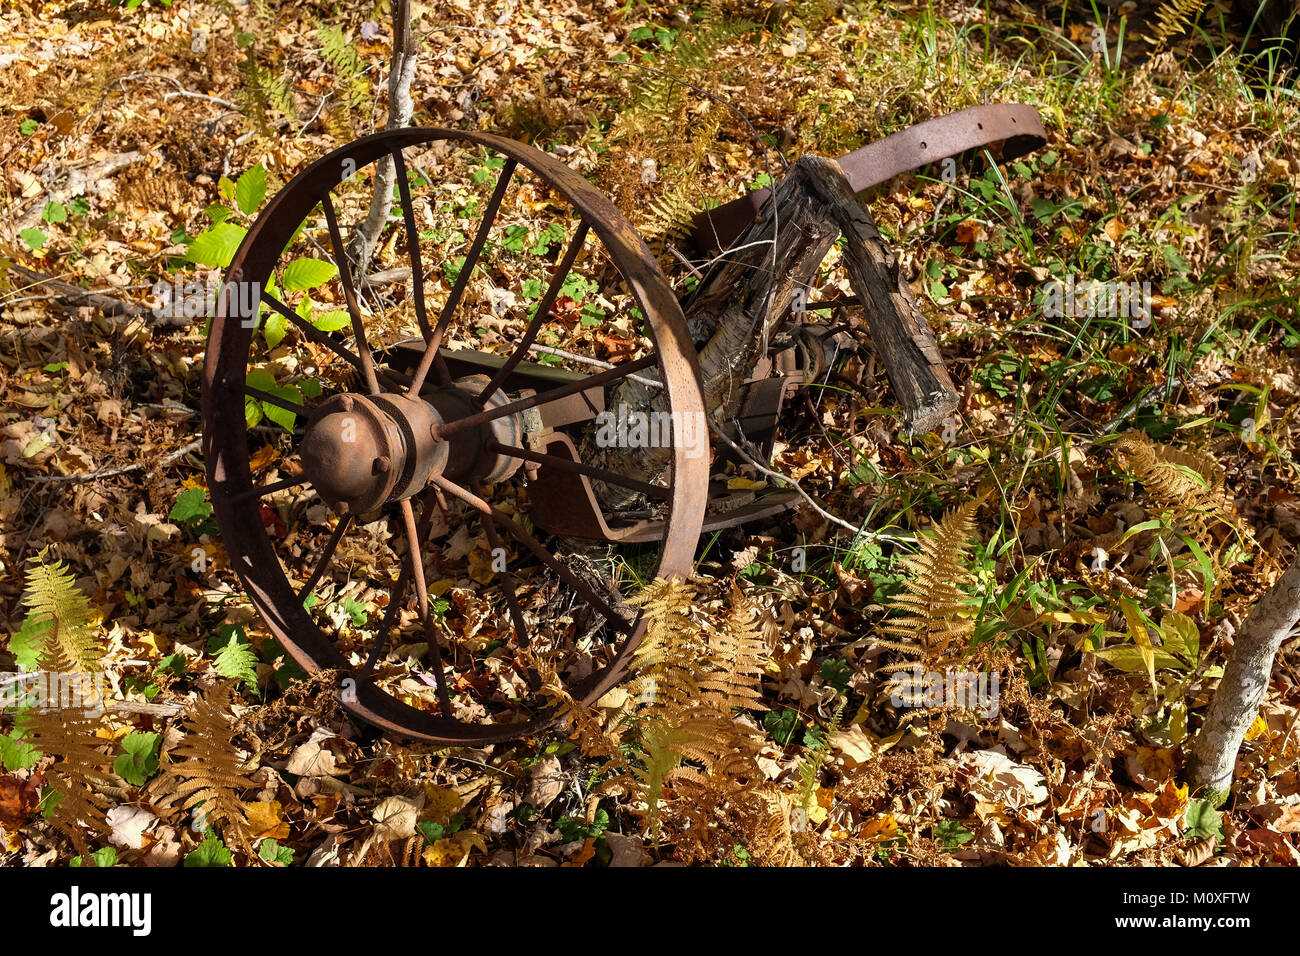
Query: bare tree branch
{"x": 1245, "y": 680}
{"x": 401, "y": 107}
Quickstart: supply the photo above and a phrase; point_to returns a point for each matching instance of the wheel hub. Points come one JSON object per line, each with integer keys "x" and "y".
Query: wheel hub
{"x": 361, "y": 452}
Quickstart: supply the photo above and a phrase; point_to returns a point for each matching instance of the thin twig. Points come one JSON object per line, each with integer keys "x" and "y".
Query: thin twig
{"x": 124, "y": 469}
{"x": 784, "y": 479}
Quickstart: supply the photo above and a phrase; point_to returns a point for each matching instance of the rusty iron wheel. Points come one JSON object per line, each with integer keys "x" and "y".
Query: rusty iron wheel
{"x": 423, "y": 425}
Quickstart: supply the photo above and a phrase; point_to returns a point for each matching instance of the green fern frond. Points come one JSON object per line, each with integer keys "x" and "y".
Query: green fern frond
{"x": 60, "y": 616}
{"x": 351, "y": 87}
{"x": 236, "y": 661}
{"x": 263, "y": 95}
{"x": 815, "y": 756}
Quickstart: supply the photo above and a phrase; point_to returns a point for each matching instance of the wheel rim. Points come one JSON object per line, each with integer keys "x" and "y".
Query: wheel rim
{"x": 236, "y": 501}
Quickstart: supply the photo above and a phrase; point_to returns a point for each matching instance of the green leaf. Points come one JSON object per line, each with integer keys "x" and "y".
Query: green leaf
{"x": 139, "y": 758}
{"x": 211, "y": 852}
{"x": 216, "y": 246}
{"x": 263, "y": 380}
{"x": 27, "y": 643}
{"x": 218, "y": 213}
{"x": 55, "y": 212}
{"x": 952, "y": 834}
{"x": 274, "y": 329}
{"x": 191, "y": 506}
{"x": 173, "y": 664}
{"x": 226, "y": 188}
{"x": 307, "y": 273}
{"x": 16, "y": 753}
{"x": 271, "y": 851}
{"x": 251, "y": 189}
{"x": 331, "y": 321}
{"x": 33, "y": 238}
{"x": 103, "y": 858}
{"x": 356, "y": 611}
{"x": 1202, "y": 820}
{"x": 781, "y": 725}
{"x": 28, "y": 127}
{"x": 1131, "y": 659}
{"x": 1181, "y": 636}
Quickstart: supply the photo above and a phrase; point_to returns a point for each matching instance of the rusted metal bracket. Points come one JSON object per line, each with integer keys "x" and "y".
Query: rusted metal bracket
{"x": 1010, "y": 130}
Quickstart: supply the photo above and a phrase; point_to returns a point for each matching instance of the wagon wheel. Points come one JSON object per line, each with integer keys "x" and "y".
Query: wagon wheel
{"x": 423, "y": 445}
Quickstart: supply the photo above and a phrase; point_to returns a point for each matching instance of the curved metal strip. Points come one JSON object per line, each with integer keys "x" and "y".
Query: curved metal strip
{"x": 1013, "y": 128}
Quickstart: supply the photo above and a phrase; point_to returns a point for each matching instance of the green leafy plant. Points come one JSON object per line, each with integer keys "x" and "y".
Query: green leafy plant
{"x": 210, "y": 853}
{"x": 191, "y": 508}
{"x": 1202, "y": 821}
{"x": 139, "y": 758}
{"x": 103, "y": 858}
{"x": 270, "y": 850}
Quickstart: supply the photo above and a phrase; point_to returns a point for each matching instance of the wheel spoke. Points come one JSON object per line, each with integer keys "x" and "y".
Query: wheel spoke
{"x": 615, "y": 619}
{"x": 416, "y": 559}
{"x": 543, "y": 398}
{"x": 434, "y": 342}
{"x": 258, "y": 491}
{"x": 313, "y": 334}
{"x": 542, "y": 312}
{"x": 276, "y": 400}
{"x": 412, "y": 244}
{"x": 326, "y": 556}
{"x": 657, "y": 492}
{"x": 395, "y": 598}
{"x": 350, "y": 294}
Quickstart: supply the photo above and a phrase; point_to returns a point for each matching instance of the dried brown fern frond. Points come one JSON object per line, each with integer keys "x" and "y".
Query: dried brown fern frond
{"x": 669, "y": 215}
{"x": 204, "y": 771}
{"x": 82, "y": 766}
{"x": 1174, "y": 17}
{"x": 732, "y": 675}
{"x": 1187, "y": 484}
{"x": 60, "y": 615}
{"x": 771, "y": 838}
{"x": 722, "y": 753}
{"x": 673, "y": 645}
{"x": 585, "y": 728}
{"x": 933, "y": 618}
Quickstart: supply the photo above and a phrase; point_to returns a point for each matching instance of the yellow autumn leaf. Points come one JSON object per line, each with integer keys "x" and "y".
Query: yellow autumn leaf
{"x": 265, "y": 820}
{"x": 745, "y": 484}
{"x": 879, "y": 829}
{"x": 440, "y": 803}
{"x": 1074, "y": 617}
{"x": 480, "y": 566}
{"x": 1142, "y": 640}
{"x": 454, "y": 850}
{"x": 264, "y": 457}
{"x": 1258, "y": 728}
